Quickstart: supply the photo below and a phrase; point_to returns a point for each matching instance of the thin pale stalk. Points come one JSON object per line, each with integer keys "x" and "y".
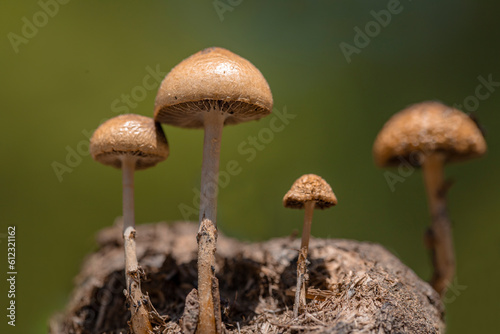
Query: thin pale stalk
{"x": 207, "y": 233}
{"x": 140, "y": 323}
{"x": 300, "y": 293}
{"x": 210, "y": 166}
{"x": 128, "y": 169}
{"x": 306, "y": 228}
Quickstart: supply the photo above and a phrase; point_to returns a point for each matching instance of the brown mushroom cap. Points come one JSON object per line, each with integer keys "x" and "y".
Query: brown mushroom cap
{"x": 212, "y": 79}
{"x": 310, "y": 187}
{"x": 132, "y": 135}
{"x": 428, "y": 127}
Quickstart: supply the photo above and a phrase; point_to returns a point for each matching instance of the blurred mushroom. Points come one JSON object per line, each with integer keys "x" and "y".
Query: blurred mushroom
{"x": 309, "y": 192}
{"x": 430, "y": 134}
{"x": 208, "y": 90}
{"x": 130, "y": 142}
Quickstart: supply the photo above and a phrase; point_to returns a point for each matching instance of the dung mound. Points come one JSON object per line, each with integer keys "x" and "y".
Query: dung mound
{"x": 354, "y": 287}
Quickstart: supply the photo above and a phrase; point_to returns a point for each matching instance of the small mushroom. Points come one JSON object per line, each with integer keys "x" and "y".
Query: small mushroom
{"x": 130, "y": 142}
{"x": 208, "y": 90}
{"x": 430, "y": 134}
{"x": 308, "y": 192}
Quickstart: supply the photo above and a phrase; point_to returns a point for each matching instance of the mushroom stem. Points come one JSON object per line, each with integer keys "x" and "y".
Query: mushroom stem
{"x": 441, "y": 242}
{"x": 300, "y": 293}
{"x": 207, "y": 233}
{"x": 306, "y": 229}
{"x": 207, "y": 240}
{"x": 214, "y": 124}
{"x": 128, "y": 169}
{"x": 140, "y": 323}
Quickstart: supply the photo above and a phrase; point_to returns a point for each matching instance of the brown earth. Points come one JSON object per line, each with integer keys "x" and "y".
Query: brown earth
{"x": 354, "y": 287}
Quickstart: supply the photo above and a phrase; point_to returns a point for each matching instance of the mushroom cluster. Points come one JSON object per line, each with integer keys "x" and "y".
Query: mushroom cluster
{"x": 216, "y": 87}
{"x": 208, "y": 90}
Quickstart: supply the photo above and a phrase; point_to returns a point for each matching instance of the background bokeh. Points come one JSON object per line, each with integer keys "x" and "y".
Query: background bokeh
{"x": 74, "y": 69}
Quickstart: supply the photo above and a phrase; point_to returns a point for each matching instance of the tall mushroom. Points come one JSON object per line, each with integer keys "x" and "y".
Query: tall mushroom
{"x": 308, "y": 192}
{"x": 430, "y": 134}
{"x": 130, "y": 142}
{"x": 208, "y": 90}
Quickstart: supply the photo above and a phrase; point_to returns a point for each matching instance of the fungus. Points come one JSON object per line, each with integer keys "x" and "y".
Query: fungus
{"x": 208, "y": 90}
{"x": 130, "y": 142}
{"x": 308, "y": 192}
{"x": 430, "y": 134}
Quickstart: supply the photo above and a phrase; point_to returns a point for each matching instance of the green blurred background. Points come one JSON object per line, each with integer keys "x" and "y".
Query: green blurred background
{"x": 67, "y": 76}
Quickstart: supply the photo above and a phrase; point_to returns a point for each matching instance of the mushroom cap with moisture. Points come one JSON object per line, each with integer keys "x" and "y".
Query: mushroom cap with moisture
{"x": 129, "y": 134}
{"x": 212, "y": 79}
{"x": 428, "y": 127}
{"x": 310, "y": 187}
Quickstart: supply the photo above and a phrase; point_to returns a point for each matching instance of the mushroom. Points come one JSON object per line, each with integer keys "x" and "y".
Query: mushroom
{"x": 308, "y": 192}
{"x": 208, "y": 90}
{"x": 130, "y": 142}
{"x": 430, "y": 134}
